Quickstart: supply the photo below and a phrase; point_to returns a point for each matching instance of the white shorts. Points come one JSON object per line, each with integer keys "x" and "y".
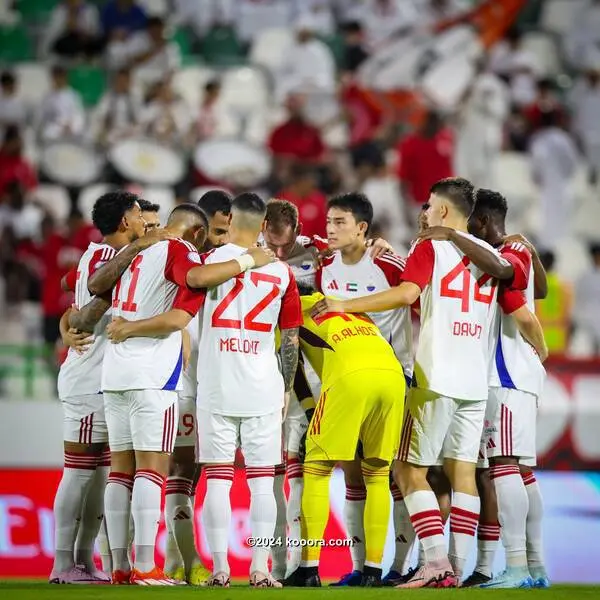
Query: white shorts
{"x": 187, "y": 431}
{"x": 295, "y": 426}
{"x": 436, "y": 427}
{"x": 83, "y": 419}
{"x": 141, "y": 420}
{"x": 258, "y": 437}
{"x": 510, "y": 420}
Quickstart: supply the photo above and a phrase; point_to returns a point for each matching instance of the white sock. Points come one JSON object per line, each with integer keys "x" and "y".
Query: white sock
{"x": 426, "y": 519}
{"x": 145, "y": 508}
{"x": 117, "y": 510}
{"x": 354, "y": 520}
{"x": 279, "y": 553}
{"x": 78, "y": 471}
{"x": 488, "y": 535}
{"x": 513, "y": 505}
{"x": 464, "y": 516}
{"x": 173, "y": 558}
{"x": 130, "y": 536}
{"x": 104, "y": 547}
{"x": 263, "y": 513}
{"x": 404, "y": 534}
{"x": 91, "y": 519}
{"x": 535, "y": 514}
{"x": 216, "y": 513}
{"x": 296, "y": 483}
{"x": 179, "y": 512}
{"x": 420, "y": 555}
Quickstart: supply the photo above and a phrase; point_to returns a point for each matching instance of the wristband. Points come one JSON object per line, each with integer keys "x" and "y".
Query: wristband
{"x": 246, "y": 261}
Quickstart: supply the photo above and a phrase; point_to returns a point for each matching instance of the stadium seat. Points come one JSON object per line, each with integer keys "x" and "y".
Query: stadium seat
{"x": 513, "y": 177}
{"x": 189, "y": 83}
{"x": 543, "y": 48}
{"x": 35, "y": 11}
{"x": 182, "y": 39}
{"x": 158, "y": 8}
{"x": 244, "y": 88}
{"x": 164, "y": 197}
{"x": 221, "y": 47}
{"x": 15, "y": 45}
{"x": 572, "y": 258}
{"x": 34, "y": 82}
{"x": 89, "y": 195}
{"x": 557, "y": 15}
{"x": 55, "y": 199}
{"x": 335, "y": 42}
{"x": 90, "y": 82}
{"x": 269, "y": 48}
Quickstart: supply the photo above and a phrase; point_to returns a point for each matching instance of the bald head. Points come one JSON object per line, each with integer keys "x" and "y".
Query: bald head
{"x": 248, "y": 212}
{"x": 189, "y": 222}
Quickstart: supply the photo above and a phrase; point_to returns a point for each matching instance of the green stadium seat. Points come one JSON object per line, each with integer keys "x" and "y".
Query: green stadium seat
{"x": 90, "y": 82}
{"x": 220, "y": 46}
{"x": 15, "y": 45}
{"x": 336, "y": 45}
{"x": 35, "y": 11}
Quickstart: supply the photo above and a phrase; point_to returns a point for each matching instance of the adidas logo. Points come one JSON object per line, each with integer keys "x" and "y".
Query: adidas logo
{"x": 401, "y": 539}
{"x": 181, "y": 516}
{"x": 333, "y": 285}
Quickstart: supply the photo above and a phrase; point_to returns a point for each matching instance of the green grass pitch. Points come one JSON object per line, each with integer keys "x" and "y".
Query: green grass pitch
{"x": 30, "y": 590}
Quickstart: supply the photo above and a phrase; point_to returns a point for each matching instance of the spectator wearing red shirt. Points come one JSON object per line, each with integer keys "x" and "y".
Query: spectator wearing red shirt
{"x": 425, "y": 156}
{"x": 81, "y": 233}
{"x": 13, "y": 165}
{"x": 546, "y": 101}
{"x": 311, "y": 203}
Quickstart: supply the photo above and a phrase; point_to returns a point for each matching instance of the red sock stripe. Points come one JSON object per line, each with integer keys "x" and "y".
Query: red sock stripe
{"x": 294, "y": 469}
{"x": 219, "y": 472}
{"x": 86, "y": 426}
{"x": 80, "y": 461}
{"x": 528, "y": 478}
{"x": 427, "y": 523}
{"x": 254, "y": 472}
{"x": 506, "y": 431}
{"x": 179, "y": 485}
{"x": 463, "y": 521}
{"x": 152, "y": 476}
{"x": 396, "y": 493}
{"x": 279, "y": 470}
{"x": 504, "y": 471}
{"x": 105, "y": 458}
{"x": 488, "y": 532}
{"x": 405, "y": 437}
{"x": 356, "y": 493}
{"x": 169, "y": 429}
{"x": 121, "y": 479}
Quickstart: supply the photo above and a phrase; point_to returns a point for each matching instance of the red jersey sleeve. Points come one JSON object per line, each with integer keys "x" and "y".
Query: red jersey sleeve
{"x": 70, "y": 279}
{"x": 181, "y": 257}
{"x": 319, "y": 274}
{"x": 520, "y": 258}
{"x": 99, "y": 258}
{"x": 419, "y": 264}
{"x": 319, "y": 243}
{"x": 392, "y": 267}
{"x": 510, "y": 299}
{"x": 290, "y": 315}
{"x": 189, "y": 300}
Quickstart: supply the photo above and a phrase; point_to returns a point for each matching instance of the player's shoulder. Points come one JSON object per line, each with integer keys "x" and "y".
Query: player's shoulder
{"x": 390, "y": 262}
{"x": 515, "y": 248}
{"x": 177, "y": 243}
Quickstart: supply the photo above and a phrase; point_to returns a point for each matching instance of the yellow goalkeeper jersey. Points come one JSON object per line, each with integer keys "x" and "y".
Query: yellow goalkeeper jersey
{"x": 340, "y": 343}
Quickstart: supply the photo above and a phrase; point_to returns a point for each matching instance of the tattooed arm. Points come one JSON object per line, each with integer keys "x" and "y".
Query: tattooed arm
{"x": 289, "y": 356}
{"x": 86, "y": 318}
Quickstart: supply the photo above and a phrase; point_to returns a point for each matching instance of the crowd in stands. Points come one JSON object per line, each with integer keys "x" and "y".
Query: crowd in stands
{"x": 285, "y": 76}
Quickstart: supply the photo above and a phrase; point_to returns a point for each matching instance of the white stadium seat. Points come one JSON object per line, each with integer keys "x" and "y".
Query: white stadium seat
{"x": 543, "y": 48}
{"x": 270, "y": 46}
{"x": 189, "y": 82}
{"x": 89, "y": 195}
{"x": 33, "y": 81}
{"x": 155, "y": 8}
{"x": 244, "y": 88}
{"x": 557, "y": 15}
{"x": 55, "y": 199}
{"x": 164, "y": 197}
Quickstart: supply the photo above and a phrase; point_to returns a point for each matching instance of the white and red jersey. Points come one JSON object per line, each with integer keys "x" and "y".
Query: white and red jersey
{"x": 238, "y": 370}
{"x": 153, "y": 284}
{"x": 515, "y": 364}
{"x": 458, "y": 304}
{"x": 369, "y": 276}
{"x": 81, "y": 374}
{"x": 190, "y": 381}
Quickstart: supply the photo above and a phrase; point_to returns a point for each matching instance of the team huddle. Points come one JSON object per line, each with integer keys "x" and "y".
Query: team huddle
{"x": 227, "y": 331}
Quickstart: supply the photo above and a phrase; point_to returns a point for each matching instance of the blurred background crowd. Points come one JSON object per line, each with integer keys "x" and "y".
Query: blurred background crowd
{"x": 296, "y": 99}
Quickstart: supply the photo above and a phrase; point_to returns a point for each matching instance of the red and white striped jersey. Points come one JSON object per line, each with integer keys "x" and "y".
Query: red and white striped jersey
{"x": 153, "y": 284}
{"x": 81, "y": 374}
{"x": 238, "y": 370}
{"x": 369, "y": 276}
{"x": 515, "y": 364}
{"x": 458, "y": 304}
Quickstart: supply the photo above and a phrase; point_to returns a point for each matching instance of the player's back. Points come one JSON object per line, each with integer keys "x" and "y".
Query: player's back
{"x": 238, "y": 370}
{"x": 146, "y": 289}
{"x": 457, "y": 309}
{"x": 337, "y": 344}
{"x": 81, "y": 374}
{"x": 515, "y": 364}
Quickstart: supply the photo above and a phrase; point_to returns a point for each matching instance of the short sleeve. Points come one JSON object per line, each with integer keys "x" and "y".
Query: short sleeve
{"x": 510, "y": 299}
{"x": 319, "y": 243}
{"x": 181, "y": 257}
{"x": 290, "y": 315}
{"x": 99, "y": 259}
{"x": 419, "y": 264}
{"x": 189, "y": 300}
{"x": 392, "y": 267}
{"x": 520, "y": 259}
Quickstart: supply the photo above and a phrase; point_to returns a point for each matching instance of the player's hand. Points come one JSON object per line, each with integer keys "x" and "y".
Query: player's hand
{"x": 322, "y": 255}
{"x": 153, "y": 237}
{"x": 517, "y": 237}
{"x": 118, "y": 330}
{"x": 286, "y": 405}
{"x": 261, "y": 256}
{"x": 80, "y": 341}
{"x": 379, "y": 246}
{"x": 327, "y": 305}
{"x": 437, "y": 233}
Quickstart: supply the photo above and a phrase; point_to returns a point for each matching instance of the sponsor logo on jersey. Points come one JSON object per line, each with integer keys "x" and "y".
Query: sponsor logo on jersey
{"x": 352, "y": 287}
{"x": 306, "y": 265}
{"x": 370, "y": 288}
{"x": 333, "y": 285}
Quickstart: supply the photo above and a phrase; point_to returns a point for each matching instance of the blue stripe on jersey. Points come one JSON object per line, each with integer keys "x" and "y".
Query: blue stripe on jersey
{"x": 174, "y": 379}
{"x": 505, "y": 378}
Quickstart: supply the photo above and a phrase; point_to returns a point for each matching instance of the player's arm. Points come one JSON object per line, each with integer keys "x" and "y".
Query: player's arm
{"x": 86, "y": 318}
{"x": 67, "y": 283}
{"x": 302, "y": 390}
{"x": 186, "y": 348}
{"x": 72, "y": 338}
{"x": 161, "y": 325}
{"x": 211, "y": 275}
{"x": 104, "y": 279}
{"x": 488, "y": 261}
{"x": 540, "y": 281}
